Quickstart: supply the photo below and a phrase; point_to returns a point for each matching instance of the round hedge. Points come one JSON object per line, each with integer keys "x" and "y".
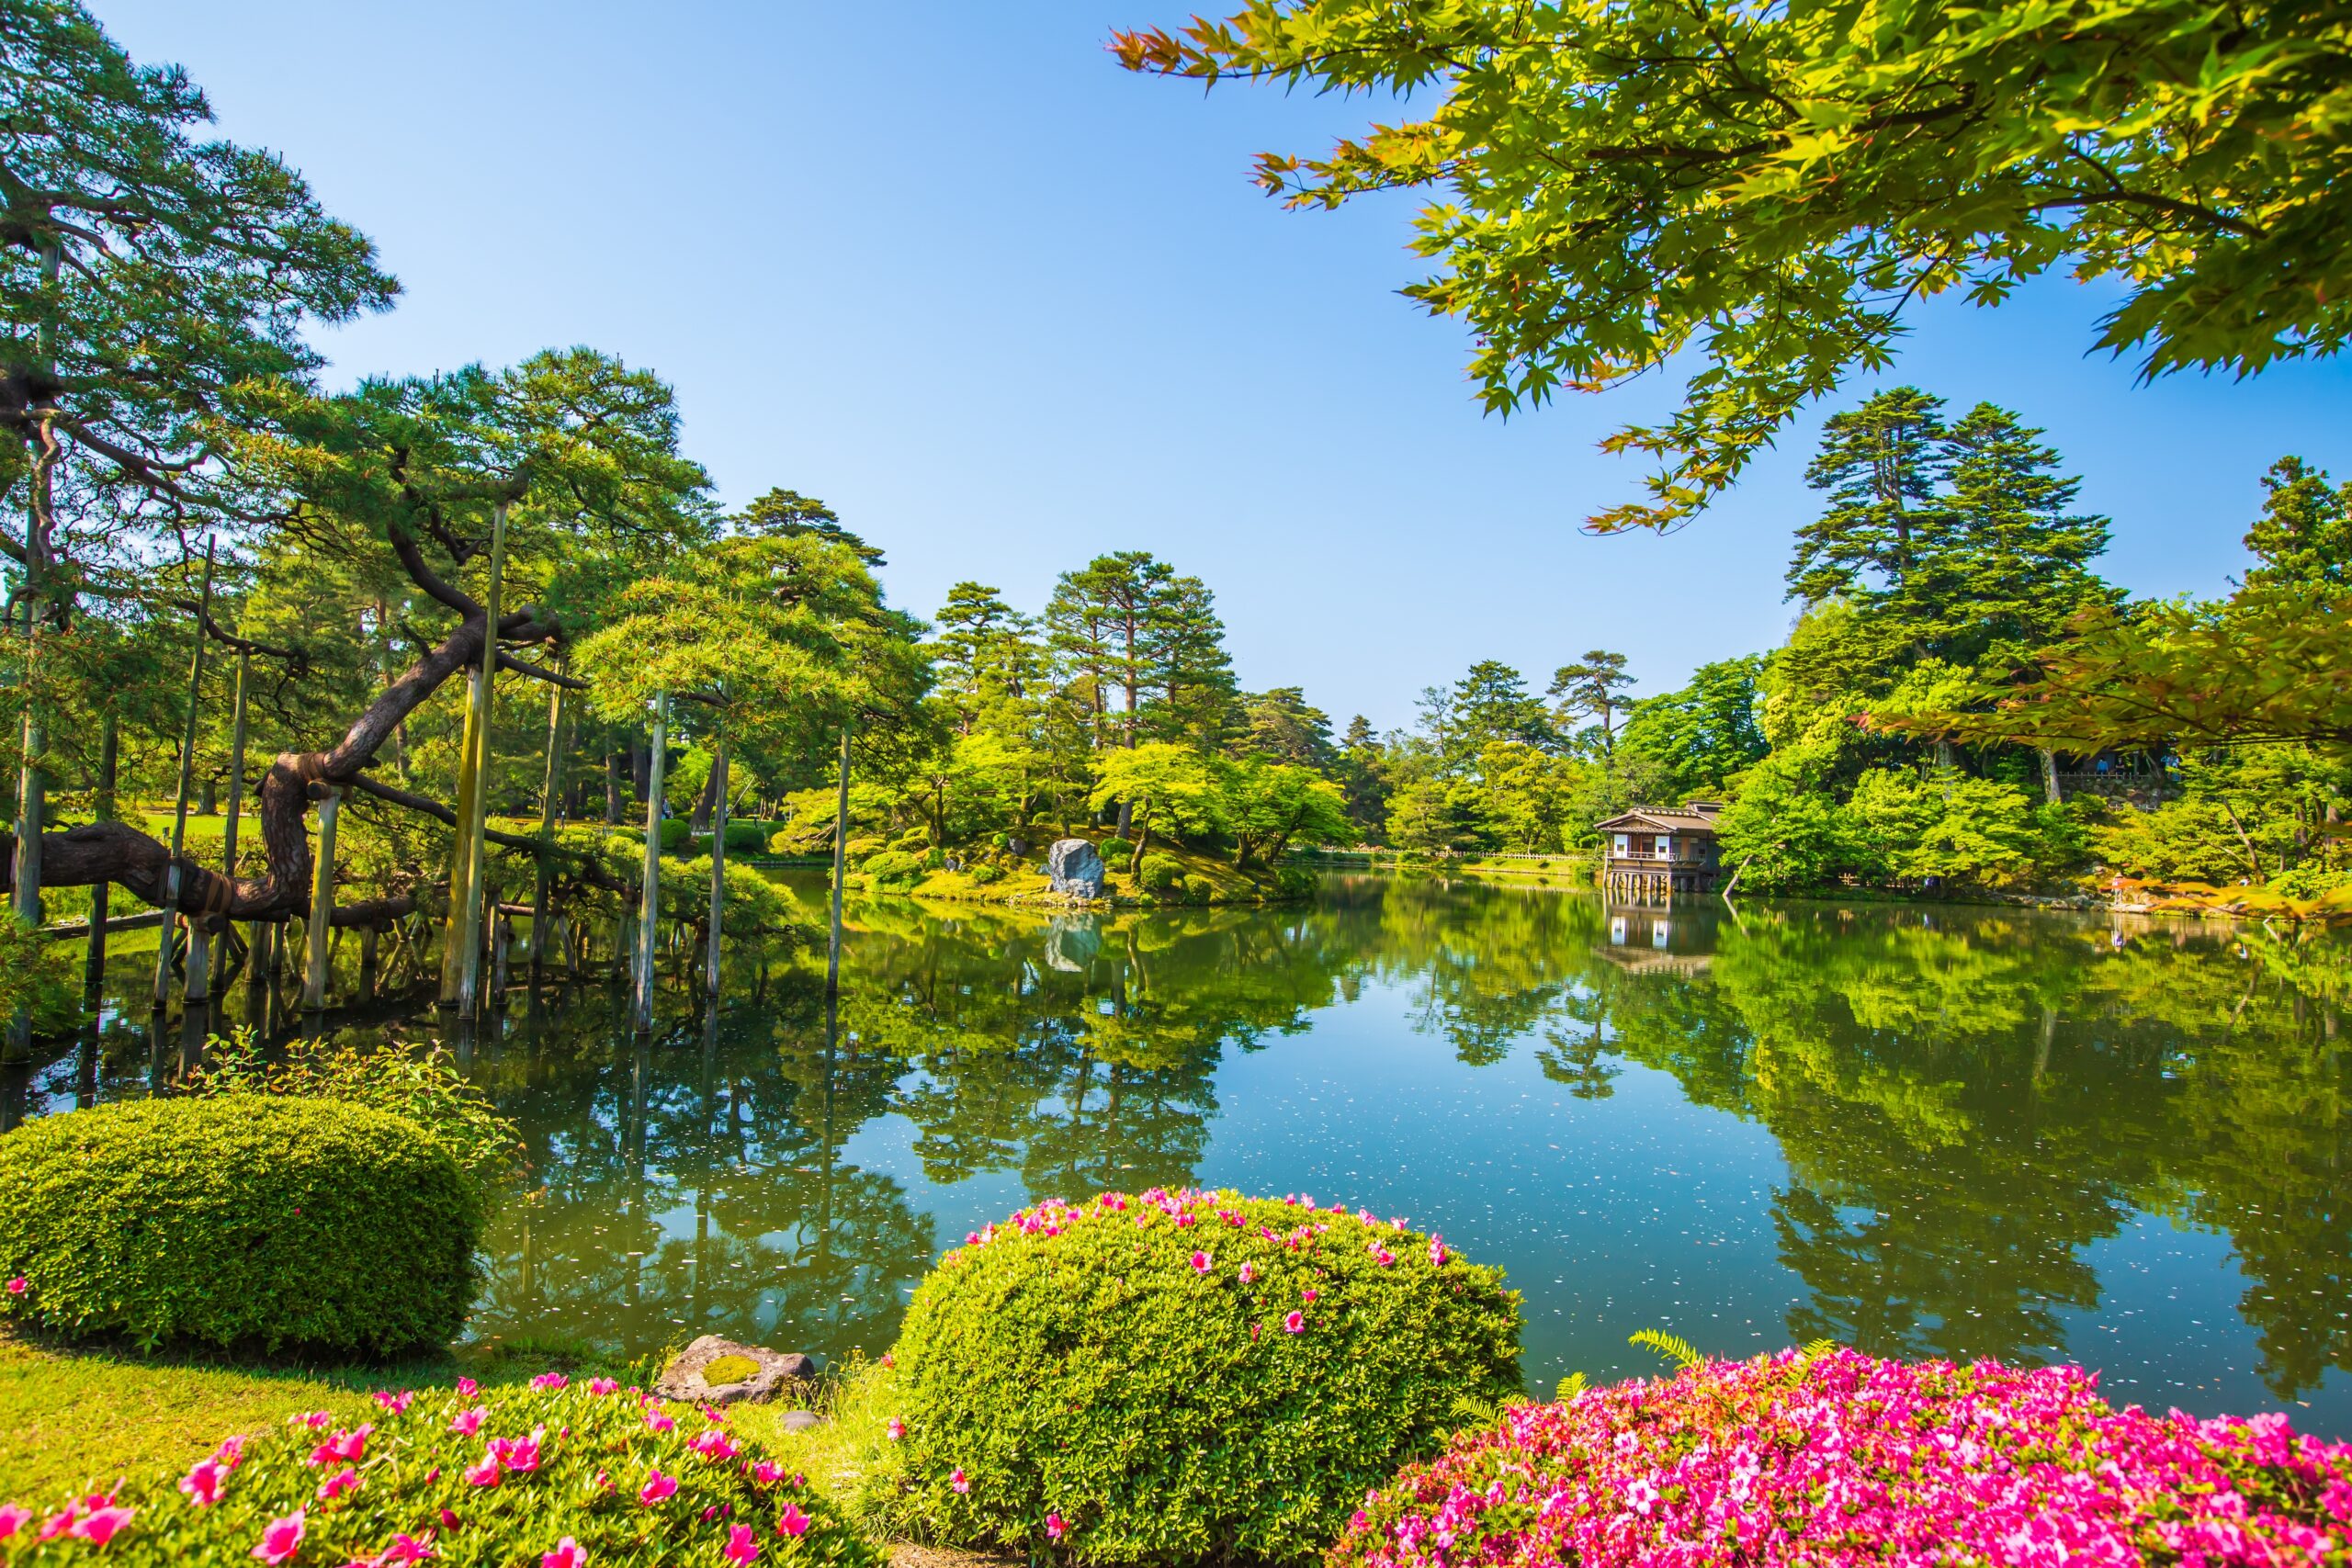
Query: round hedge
{"x": 243, "y": 1221}
{"x": 589, "y": 1474}
{"x": 1184, "y": 1376}
{"x": 1838, "y": 1459}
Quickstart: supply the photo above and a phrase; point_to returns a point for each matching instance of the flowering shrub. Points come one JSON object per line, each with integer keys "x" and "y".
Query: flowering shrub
{"x": 1182, "y": 1376}
{"x": 245, "y": 1220}
{"x": 1840, "y": 1459}
{"x": 564, "y": 1475}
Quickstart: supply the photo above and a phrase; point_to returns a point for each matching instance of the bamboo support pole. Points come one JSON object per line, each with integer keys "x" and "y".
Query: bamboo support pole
{"x": 314, "y": 982}
{"x": 179, "y": 806}
{"x": 471, "y": 933}
{"x": 649, "y": 902}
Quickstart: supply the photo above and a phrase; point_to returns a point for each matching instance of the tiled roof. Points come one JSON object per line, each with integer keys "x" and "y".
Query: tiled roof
{"x": 1673, "y": 820}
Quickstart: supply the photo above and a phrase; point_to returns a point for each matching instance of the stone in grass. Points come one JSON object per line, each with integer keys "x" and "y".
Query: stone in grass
{"x": 721, "y": 1371}
{"x": 1074, "y": 868}
{"x": 799, "y": 1420}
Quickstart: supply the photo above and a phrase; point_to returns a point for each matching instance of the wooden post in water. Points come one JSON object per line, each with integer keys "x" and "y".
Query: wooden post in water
{"x": 542, "y": 917}
{"x": 650, "y": 903}
{"x": 841, "y": 857}
{"x": 461, "y": 862}
{"x": 314, "y": 983}
{"x": 470, "y": 971}
{"x": 179, "y": 807}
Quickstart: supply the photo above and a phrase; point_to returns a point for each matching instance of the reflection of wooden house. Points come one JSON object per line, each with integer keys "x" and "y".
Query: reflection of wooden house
{"x": 1646, "y": 941}
{"x": 1652, "y": 854}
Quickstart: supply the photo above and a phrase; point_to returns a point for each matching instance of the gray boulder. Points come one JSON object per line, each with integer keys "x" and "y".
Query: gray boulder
{"x": 682, "y": 1378}
{"x": 1074, "y": 867}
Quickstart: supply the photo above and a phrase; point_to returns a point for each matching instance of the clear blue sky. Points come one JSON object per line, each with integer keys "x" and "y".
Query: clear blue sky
{"x": 1006, "y": 307}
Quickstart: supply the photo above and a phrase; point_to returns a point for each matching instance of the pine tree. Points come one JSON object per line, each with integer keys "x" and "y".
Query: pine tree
{"x": 1594, "y": 687}
{"x": 788, "y": 514}
{"x": 986, "y": 650}
{"x": 1196, "y": 699}
{"x": 1105, "y": 625}
{"x": 2304, "y": 535}
{"x": 1881, "y": 465}
{"x": 2016, "y": 566}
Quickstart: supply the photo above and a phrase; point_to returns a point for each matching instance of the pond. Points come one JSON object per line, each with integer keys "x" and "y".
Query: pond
{"x": 1921, "y": 1130}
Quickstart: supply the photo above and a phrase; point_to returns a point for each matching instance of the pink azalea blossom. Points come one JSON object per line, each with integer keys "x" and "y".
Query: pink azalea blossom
{"x": 792, "y": 1521}
{"x": 1054, "y": 1528}
{"x": 485, "y": 1474}
{"x": 317, "y": 1420}
{"x": 713, "y": 1446}
{"x": 1438, "y": 1254}
{"x": 1201, "y": 1263}
{"x": 466, "y": 1423}
{"x": 280, "y": 1539}
{"x": 568, "y": 1553}
{"x": 742, "y": 1544}
{"x": 1295, "y": 1323}
{"x": 231, "y": 1452}
{"x": 658, "y": 1421}
{"x": 335, "y": 1485}
{"x": 887, "y": 1359}
{"x": 14, "y": 1517}
{"x": 1307, "y": 1294}
{"x": 467, "y": 1388}
{"x": 201, "y": 1484}
{"x": 1249, "y": 1272}
{"x": 18, "y": 1286}
{"x": 406, "y": 1549}
{"x": 657, "y": 1486}
{"x": 551, "y": 1381}
{"x": 98, "y": 1525}
{"x": 60, "y": 1522}
{"x": 518, "y": 1454}
{"x": 603, "y": 1386}
{"x": 898, "y": 1429}
{"x": 448, "y": 1519}
{"x": 959, "y": 1481}
{"x": 395, "y": 1403}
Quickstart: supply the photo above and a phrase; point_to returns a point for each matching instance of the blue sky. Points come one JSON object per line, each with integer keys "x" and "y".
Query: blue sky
{"x": 1006, "y": 307}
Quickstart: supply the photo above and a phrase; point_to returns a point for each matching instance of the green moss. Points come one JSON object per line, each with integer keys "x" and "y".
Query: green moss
{"x": 729, "y": 1369}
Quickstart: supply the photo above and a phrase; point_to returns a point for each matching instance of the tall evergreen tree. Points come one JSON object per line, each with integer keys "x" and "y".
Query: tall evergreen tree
{"x": 2017, "y": 565}
{"x": 1491, "y": 703}
{"x": 1196, "y": 699}
{"x": 1283, "y": 725}
{"x": 788, "y": 514}
{"x": 1595, "y": 687}
{"x": 1106, "y": 625}
{"x": 2304, "y": 535}
{"x": 986, "y": 650}
{"x": 1881, "y": 465}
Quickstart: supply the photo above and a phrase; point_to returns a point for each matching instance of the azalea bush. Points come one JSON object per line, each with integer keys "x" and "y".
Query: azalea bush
{"x": 1182, "y": 1376}
{"x": 1840, "y": 1459}
{"x": 557, "y": 1473}
{"x": 250, "y": 1221}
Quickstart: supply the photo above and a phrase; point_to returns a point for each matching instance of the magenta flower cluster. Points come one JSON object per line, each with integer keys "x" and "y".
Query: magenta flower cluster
{"x": 1840, "y": 1459}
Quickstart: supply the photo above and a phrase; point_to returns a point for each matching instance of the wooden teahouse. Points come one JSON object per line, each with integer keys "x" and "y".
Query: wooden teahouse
{"x": 1649, "y": 854}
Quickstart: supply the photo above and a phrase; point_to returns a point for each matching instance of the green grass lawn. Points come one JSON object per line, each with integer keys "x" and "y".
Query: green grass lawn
{"x": 74, "y": 1420}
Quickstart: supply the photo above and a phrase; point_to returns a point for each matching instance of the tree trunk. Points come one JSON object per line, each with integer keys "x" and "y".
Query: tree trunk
{"x": 314, "y": 979}
{"x": 613, "y": 765}
{"x": 179, "y": 805}
{"x": 718, "y": 851}
{"x": 461, "y": 861}
{"x": 649, "y": 902}
{"x": 2049, "y": 792}
{"x": 93, "y": 960}
{"x": 840, "y": 857}
{"x": 229, "y": 829}
{"x": 542, "y": 916}
{"x": 705, "y": 803}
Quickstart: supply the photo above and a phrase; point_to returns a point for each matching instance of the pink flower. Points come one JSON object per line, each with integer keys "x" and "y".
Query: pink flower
{"x": 1294, "y": 1324}
{"x": 14, "y": 1517}
{"x": 658, "y": 1421}
{"x": 335, "y": 1485}
{"x": 58, "y": 1523}
{"x": 484, "y": 1474}
{"x": 405, "y": 1549}
{"x": 466, "y": 1423}
{"x": 316, "y": 1420}
{"x": 518, "y": 1454}
{"x": 201, "y": 1484}
{"x": 713, "y": 1444}
{"x": 1438, "y": 1254}
{"x": 552, "y": 1380}
{"x": 742, "y": 1544}
{"x": 467, "y": 1388}
{"x": 395, "y": 1403}
{"x": 567, "y": 1554}
{"x": 657, "y": 1486}
{"x": 1249, "y": 1272}
{"x": 16, "y": 1286}
{"x": 959, "y": 1481}
{"x": 1054, "y": 1528}
{"x": 887, "y": 1359}
{"x": 1201, "y": 1264}
{"x": 231, "y": 1453}
{"x": 898, "y": 1429}
{"x": 603, "y": 1386}
{"x": 792, "y": 1521}
{"x": 280, "y": 1539}
{"x": 448, "y": 1519}
{"x": 350, "y": 1447}
{"x": 98, "y": 1527}
{"x": 1307, "y": 1294}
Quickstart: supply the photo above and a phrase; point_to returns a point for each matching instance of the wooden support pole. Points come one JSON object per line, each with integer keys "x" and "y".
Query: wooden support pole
{"x": 94, "y": 960}
{"x": 542, "y": 916}
{"x": 179, "y": 807}
{"x": 648, "y": 910}
{"x": 314, "y": 983}
{"x": 469, "y": 969}
{"x": 718, "y": 849}
{"x": 461, "y": 859}
{"x": 841, "y": 858}
{"x": 236, "y": 778}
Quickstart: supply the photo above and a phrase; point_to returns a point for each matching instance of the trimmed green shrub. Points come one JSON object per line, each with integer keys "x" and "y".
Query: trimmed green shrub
{"x": 239, "y": 1220}
{"x": 579, "y": 1476}
{"x": 893, "y": 866}
{"x": 1199, "y": 890}
{"x": 745, "y": 836}
{"x": 985, "y": 875}
{"x": 1183, "y": 1377}
{"x": 1159, "y": 873}
{"x": 1116, "y": 850}
{"x": 917, "y": 838}
{"x": 860, "y": 846}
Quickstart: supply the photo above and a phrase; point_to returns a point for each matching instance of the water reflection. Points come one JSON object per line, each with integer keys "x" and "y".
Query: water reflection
{"x": 1921, "y": 1131}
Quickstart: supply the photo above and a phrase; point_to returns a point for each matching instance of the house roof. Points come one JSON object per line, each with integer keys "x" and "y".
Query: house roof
{"x": 1672, "y": 820}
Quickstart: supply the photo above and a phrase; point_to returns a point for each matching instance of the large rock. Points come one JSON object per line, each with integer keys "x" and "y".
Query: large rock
{"x": 682, "y": 1378}
{"x": 1075, "y": 867}
{"x": 1072, "y": 943}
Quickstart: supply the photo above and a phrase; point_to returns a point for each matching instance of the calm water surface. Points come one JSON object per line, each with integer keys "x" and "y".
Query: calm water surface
{"x": 1920, "y": 1130}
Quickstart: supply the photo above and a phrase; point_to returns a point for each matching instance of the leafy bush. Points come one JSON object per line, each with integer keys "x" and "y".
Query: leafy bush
{"x": 860, "y": 846}
{"x": 745, "y": 836}
{"x": 1159, "y": 873}
{"x": 36, "y": 972}
{"x": 596, "y": 1476}
{"x": 984, "y": 874}
{"x": 238, "y": 1220}
{"x": 1116, "y": 850}
{"x": 916, "y": 839}
{"x": 893, "y": 866}
{"x": 1839, "y": 1459}
{"x": 1297, "y": 881}
{"x": 2310, "y": 882}
{"x": 423, "y": 1087}
{"x": 1182, "y": 1376}
{"x": 1199, "y": 890}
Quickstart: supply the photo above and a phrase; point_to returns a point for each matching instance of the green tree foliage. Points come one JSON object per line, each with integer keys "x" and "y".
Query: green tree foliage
{"x": 1595, "y": 687}
{"x": 1697, "y": 739}
{"x": 1611, "y": 186}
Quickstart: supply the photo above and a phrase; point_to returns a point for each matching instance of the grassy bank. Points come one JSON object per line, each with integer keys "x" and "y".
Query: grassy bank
{"x": 1203, "y": 879}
